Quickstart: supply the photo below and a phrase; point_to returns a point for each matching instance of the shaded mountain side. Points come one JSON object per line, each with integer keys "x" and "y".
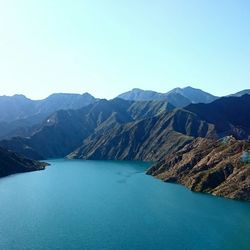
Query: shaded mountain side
{"x": 219, "y": 167}
{"x": 20, "y": 107}
{"x": 64, "y": 131}
{"x": 11, "y": 163}
{"x": 147, "y": 139}
{"x": 230, "y": 115}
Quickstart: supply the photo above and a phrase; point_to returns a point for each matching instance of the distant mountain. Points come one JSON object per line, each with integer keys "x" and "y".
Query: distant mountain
{"x": 147, "y": 95}
{"x": 18, "y": 113}
{"x": 179, "y": 97}
{"x": 65, "y": 130}
{"x": 15, "y": 107}
{"x": 220, "y": 167}
{"x": 194, "y": 95}
{"x": 11, "y": 163}
{"x": 59, "y": 101}
{"x": 241, "y": 93}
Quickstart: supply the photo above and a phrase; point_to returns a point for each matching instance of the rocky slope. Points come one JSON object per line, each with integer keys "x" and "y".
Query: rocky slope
{"x": 179, "y": 97}
{"x": 146, "y": 139}
{"x": 219, "y": 167}
{"x": 11, "y": 163}
{"x": 230, "y": 115}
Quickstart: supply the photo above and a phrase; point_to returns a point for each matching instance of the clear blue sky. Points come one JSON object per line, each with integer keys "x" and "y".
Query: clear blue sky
{"x": 109, "y": 46}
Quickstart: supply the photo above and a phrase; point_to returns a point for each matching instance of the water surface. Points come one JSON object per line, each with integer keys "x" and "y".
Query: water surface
{"x": 114, "y": 205}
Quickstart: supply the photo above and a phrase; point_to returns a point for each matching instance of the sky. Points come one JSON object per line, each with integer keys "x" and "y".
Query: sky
{"x": 106, "y": 47}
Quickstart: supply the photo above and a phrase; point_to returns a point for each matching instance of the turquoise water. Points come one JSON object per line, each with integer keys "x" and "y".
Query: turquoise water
{"x": 114, "y": 205}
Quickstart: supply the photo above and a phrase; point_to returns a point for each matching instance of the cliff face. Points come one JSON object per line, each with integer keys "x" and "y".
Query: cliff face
{"x": 11, "y": 163}
{"x": 219, "y": 167}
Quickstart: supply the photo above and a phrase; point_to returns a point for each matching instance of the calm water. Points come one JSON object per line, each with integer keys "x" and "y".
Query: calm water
{"x": 114, "y": 205}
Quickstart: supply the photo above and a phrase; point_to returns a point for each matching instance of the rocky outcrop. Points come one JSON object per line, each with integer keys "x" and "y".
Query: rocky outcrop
{"x": 12, "y": 163}
{"x": 219, "y": 167}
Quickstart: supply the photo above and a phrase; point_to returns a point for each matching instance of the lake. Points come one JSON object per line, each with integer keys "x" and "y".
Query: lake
{"x": 114, "y": 205}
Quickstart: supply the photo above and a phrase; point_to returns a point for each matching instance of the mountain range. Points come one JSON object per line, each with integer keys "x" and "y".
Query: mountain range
{"x": 179, "y": 97}
{"x": 138, "y": 125}
{"x": 18, "y": 114}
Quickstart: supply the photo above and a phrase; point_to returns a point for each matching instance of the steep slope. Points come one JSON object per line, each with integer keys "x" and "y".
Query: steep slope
{"x": 241, "y": 93}
{"x": 11, "y": 163}
{"x": 230, "y": 115}
{"x": 147, "y": 139}
{"x": 141, "y": 95}
{"x": 219, "y": 167}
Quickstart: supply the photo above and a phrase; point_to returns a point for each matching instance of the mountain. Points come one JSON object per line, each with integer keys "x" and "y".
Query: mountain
{"x": 147, "y": 95}
{"x": 179, "y": 97}
{"x": 141, "y": 95}
{"x": 194, "y": 95}
{"x": 119, "y": 129}
{"x": 24, "y": 113}
{"x": 15, "y": 107}
{"x": 182, "y": 141}
{"x": 241, "y": 93}
{"x": 20, "y": 107}
{"x": 230, "y": 115}
{"x": 11, "y": 163}
{"x": 65, "y": 130}
{"x": 219, "y": 167}
{"x": 148, "y": 139}
{"x": 62, "y": 101}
